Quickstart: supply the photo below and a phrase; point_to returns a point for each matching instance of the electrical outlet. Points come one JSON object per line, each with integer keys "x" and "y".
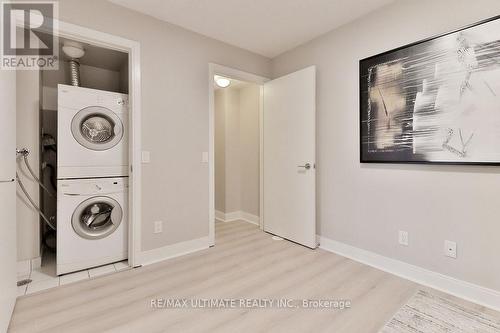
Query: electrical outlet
{"x": 158, "y": 227}
{"x": 450, "y": 249}
{"x": 403, "y": 238}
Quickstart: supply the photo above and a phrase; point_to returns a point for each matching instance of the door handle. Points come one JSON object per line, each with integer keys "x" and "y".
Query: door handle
{"x": 307, "y": 166}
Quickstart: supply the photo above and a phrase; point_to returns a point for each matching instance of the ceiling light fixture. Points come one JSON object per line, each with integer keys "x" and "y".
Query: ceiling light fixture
{"x": 73, "y": 50}
{"x": 221, "y": 81}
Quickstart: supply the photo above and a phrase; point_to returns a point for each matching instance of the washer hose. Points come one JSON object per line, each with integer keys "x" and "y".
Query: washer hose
{"x": 25, "y": 152}
{"x": 25, "y": 157}
{"x": 33, "y": 203}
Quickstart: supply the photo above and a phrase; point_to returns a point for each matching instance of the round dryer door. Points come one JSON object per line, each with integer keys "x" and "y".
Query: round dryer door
{"x": 97, "y": 217}
{"x": 97, "y": 128}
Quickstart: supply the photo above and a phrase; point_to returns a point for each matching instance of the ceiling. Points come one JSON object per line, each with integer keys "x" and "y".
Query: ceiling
{"x": 266, "y": 27}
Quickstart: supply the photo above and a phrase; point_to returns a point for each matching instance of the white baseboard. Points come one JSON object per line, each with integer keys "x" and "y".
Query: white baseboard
{"x": 238, "y": 215}
{"x": 232, "y": 216}
{"x": 466, "y": 290}
{"x": 220, "y": 216}
{"x": 174, "y": 250}
{"x": 36, "y": 263}
{"x": 24, "y": 267}
{"x": 250, "y": 218}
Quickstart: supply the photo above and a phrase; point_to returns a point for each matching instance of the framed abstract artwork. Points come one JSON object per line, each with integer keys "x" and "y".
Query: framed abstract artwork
{"x": 434, "y": 101}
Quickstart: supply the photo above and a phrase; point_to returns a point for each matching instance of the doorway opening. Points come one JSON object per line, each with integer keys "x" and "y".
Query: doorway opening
{"x": 81, "y": 126}
{"x": 237, "y": 147}
{"x": 287, "y": 148}
{"x": 235, "y": 156}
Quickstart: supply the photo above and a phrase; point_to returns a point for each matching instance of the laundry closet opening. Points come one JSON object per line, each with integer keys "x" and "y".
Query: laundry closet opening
{"x": 72, "y": 131}
{"x": 237, "y": 150}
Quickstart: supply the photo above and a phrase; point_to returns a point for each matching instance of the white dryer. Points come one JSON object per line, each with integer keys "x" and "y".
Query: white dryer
{"x": 92, "y": 134}
{"x": 92, "y": 223}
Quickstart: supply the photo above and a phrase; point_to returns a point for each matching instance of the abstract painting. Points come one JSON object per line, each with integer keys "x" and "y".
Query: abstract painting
{"x": 434, "y": 101}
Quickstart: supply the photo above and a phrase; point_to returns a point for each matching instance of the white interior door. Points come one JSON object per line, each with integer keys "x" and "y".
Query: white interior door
{"x": 8, "y": 251}
{"x": 289, "y": 173}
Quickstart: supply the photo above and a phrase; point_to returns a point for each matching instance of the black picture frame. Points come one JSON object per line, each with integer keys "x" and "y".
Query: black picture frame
{"x": 389, "y": 158}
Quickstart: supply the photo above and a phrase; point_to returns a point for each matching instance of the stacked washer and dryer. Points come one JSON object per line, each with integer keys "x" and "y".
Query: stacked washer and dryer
{"x": 92, "y": 178}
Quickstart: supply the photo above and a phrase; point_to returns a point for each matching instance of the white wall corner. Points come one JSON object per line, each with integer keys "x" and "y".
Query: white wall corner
{"x": 237, "y": 216}
{"x": 174, "y": 250}
{"x": 232, "y": 216}
{"x": 220, "y": 216}
{"x": 466, "y": 290}
{"x": 250, "y": 218}
{"x": 36, "y": 263}
{"x": 24, "y": 267}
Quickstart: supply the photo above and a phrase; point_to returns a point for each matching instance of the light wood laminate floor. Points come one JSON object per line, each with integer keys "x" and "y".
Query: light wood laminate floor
{"x": 245, "y": 263}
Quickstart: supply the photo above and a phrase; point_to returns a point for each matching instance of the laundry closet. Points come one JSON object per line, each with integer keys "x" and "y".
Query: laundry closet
{"x": 72, "y": 163}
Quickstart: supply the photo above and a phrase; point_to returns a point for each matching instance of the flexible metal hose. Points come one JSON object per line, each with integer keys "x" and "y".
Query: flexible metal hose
{"x": 21, "y": 185}
{"x": 74, "y": 68}
{"x": 28, "y": 166}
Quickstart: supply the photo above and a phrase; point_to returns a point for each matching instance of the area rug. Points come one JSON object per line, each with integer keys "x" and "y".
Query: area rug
{"x": 426, "y": 312}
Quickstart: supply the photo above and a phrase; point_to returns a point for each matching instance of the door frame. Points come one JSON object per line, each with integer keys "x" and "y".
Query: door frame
{"x": 133, "y": 49}
{"x": 232, "y": 73}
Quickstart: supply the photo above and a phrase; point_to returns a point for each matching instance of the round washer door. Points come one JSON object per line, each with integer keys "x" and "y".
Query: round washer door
{"x": 97, "y": 128}
{"x": 97, "y": 217}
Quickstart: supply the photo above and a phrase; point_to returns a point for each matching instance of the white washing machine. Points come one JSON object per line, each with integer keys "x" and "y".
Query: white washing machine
{"x": 92, "y": 227}
{"x": 92, "y": 133}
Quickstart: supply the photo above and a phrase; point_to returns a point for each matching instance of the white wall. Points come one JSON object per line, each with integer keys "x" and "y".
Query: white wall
{"x": 365, "y": 205}
{"x": 237, "y": 149}
{"x": 27, "y": 136}
{"x": 250, "y": 148}
{"x": 174, "y": 69}
{"x": 220, "y": 149}
{"x": 232, "y": 147}
{"x": 99, "y": 78}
